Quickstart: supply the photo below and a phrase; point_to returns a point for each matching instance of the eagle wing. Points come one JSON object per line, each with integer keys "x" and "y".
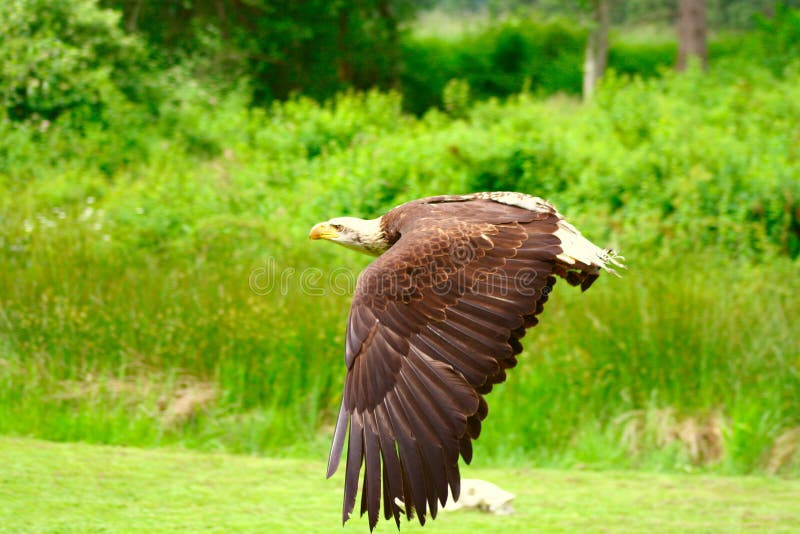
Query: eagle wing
{"x": 434, "y": 324}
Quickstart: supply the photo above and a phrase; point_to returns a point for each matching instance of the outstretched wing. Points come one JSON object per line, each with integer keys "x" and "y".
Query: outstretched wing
{"x": 434, "y": 324}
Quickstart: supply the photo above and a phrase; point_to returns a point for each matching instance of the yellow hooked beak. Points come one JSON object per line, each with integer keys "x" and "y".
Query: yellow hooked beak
{"x": 323, "y": 231}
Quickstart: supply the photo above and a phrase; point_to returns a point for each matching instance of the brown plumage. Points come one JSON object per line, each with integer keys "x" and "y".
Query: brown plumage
{"x": 435, "y": 322}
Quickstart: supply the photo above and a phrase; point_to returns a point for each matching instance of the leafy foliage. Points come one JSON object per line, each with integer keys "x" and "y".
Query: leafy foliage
{"x": 72, "y": 55}
{"x": 58, "y": 57}
{"x": 780, "y": 35}
{"x": 315, "y": 47}
{"x": 499, "y": 60}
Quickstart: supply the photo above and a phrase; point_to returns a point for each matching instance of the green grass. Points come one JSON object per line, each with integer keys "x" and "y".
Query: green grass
{"x": 46, "y": 487}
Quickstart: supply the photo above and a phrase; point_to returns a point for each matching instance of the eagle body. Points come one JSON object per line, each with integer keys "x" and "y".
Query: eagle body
{"x": 436, "y": 321}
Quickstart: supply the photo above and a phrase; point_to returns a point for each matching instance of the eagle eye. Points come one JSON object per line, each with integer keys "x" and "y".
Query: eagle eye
{"x": 338, "y": 227}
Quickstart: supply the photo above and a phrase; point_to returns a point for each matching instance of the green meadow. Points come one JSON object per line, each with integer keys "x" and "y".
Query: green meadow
{"x": 65, "y": 488}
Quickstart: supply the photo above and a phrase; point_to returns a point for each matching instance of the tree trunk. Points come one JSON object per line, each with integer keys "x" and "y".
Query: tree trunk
{"x": 344, "y": 68}
{"x": 133, "y": 17}
{"x": 691, "y": 32}
{"x": 596, "y": 47}
{"x": 392, "y": 41}
{"x": 223, "y": 19}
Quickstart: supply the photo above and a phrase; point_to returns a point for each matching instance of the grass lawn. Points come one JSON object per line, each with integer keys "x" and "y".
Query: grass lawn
{"x": 50, "y": 487}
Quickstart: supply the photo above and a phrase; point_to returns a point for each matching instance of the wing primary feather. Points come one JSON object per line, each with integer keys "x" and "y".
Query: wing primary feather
{"x": 411, "y": 462}
{"x": 483, "y": 408}
{"x": 453, "y": 479}
{"x": 372, "y": 472}
{"x": 474, "y": 427}
{"x": 433, "y": 456}
{"x": 434, "y": 477}
{"x": 388, "y": 504}
{"x": 501, "y": 318}
{"x": 431, "y": 404}
{"x": 466, "y": 450}
{"x": 482, "y": 343}
{"x": 354, "y": 458}
{"x": 408, "y": 501}
{"x": 338, "y": 441}
{"x": 392, "y": 474}
{"x": 477, "y": 324}
{"x": 474, "y": 370}
{"x": 364, "y": 492}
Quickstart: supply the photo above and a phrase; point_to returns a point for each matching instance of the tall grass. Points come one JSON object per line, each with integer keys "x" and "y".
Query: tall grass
{"x": 104, "y": 349}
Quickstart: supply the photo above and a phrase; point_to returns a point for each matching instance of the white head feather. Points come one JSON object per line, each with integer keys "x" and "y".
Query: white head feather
{"x": 363, "y": 235}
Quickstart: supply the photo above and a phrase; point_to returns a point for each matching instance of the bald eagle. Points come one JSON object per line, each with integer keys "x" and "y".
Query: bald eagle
{"x": 436, "y": 321}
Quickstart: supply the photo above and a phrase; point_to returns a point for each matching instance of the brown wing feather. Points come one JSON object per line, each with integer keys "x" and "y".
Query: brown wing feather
{"x": 434, "y": 324}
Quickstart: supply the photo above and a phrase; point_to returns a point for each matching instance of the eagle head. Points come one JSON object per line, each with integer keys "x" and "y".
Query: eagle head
{"x": 365, "y": 236}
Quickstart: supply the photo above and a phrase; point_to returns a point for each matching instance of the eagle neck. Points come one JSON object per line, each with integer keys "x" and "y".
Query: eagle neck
{"x": 389, "y": 228}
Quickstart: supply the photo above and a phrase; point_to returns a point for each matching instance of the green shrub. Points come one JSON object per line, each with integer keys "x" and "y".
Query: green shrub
{"x": 62, "y": 56}
{"x": 645, "y": 59}
{"x": 777, "y": 39}
{"x": 498, "y": 60}
{"x": 547, "y": 57}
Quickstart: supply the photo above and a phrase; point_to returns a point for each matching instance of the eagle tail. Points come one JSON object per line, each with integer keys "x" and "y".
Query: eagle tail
{"x": 580, "y": 253}
{"x": 581, "y": 260}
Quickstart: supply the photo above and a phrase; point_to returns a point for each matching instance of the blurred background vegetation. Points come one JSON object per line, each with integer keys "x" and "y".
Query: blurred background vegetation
{"x": 158, "y": 159}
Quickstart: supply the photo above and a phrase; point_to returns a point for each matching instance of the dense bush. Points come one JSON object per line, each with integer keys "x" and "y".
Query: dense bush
{"x": 71, "y": 56}
{"x": 315, "y": 47}
{"x": 498, "y": 60}
{"x": 778, "y": 39}
{"x": 58, "y": 57}
{"x": 547, "y": 57}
